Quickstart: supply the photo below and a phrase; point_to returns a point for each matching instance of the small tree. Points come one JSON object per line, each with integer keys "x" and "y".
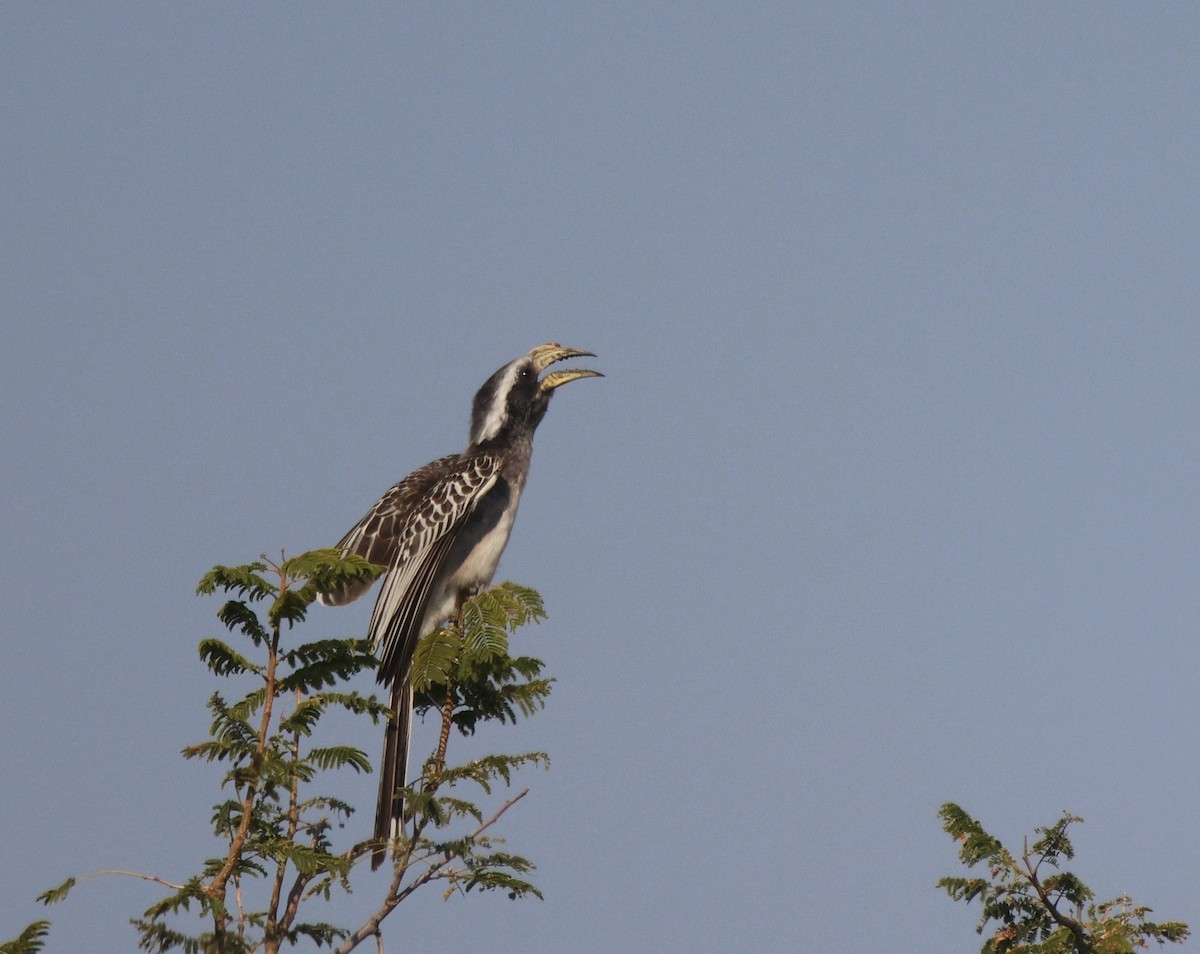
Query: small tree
{"x": 1039, "y": 908}
{"x": 278, "y": 833}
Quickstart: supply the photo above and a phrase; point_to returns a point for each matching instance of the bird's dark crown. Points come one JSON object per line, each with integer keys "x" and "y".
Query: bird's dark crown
{"x": 513, "y": 401}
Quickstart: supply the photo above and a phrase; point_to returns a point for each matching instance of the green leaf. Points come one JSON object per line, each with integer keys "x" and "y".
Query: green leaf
{"x": 325, "y": 663}
{"x": 54, "y": 895}
{"x": 963, "y": 889}
{"x": 29, "y": 941}
{"x": 496, "y": 872}
{"x": 339, "y": 756}
{"x": 303, "y": 717}
{"x": 977, "y": 844}
{"x": 521, "y": 604}
{"x": 322, "y": 935}
{"x": 329, "y": 569}
{"x": 240, "y": 618}
{"x": 1054, "y": 841}
{"x": 181, "y": 900}
{"x": 248, "y": 705}
{"x": 484, "y": 629}
{"x": 243, "y": 580}
{"x": 435, "y": 658}
{"x": 452, "y": 808}
{"x": 290, "y": 606}
{"x": 492, "y": 768}
{"x": 230, "y": 729}
{"x": 222, "y": 660}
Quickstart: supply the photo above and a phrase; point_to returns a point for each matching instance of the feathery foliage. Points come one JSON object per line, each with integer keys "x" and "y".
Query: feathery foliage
{"x": 29, "y": 941}
{"x": 469, "y": 660}
{"x": 277, "y": 836}
{"x": 1038, "y": 907}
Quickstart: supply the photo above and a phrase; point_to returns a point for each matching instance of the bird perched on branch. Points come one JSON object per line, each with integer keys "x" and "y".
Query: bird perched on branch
{"x": 440, "y": 533}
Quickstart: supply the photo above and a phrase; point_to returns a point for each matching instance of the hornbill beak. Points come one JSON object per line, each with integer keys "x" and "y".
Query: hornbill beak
{"x": 545, "y": 355}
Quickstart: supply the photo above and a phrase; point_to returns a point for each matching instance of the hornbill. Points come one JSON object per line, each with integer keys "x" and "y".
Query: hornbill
{"x": 440, "y": 532}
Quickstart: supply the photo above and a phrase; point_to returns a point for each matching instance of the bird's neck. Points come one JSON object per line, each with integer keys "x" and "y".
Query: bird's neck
{"x": 515, "y": 445}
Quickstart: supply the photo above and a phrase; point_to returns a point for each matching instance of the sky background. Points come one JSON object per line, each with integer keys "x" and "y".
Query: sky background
{"x": 888, "y": 497}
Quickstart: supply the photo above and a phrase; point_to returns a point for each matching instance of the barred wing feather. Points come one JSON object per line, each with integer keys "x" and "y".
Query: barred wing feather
{"x": 411, "y": 530}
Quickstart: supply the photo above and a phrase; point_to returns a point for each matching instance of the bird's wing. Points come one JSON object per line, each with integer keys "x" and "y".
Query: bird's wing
{"x": 410, "y": 530}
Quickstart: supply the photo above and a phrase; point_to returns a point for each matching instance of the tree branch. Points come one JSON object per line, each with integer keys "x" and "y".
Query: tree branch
{"x": 1083, "y": 941}
{"x": 370, "y": 927}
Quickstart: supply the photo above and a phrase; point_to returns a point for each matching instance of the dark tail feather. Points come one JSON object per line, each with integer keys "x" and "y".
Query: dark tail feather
{"x": 389, "y": 811}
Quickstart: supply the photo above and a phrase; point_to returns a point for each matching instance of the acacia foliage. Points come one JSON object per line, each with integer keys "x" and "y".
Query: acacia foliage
{"x": 1038, "y": 907}
{"x": 29, "y": 941}
{"x": 282, "y": 841}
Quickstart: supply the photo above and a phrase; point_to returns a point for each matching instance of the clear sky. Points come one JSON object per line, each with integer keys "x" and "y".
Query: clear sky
{"x": 888, "y": 497}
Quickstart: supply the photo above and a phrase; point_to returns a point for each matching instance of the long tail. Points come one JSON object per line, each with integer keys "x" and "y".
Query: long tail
{"x": 389, "y": 810}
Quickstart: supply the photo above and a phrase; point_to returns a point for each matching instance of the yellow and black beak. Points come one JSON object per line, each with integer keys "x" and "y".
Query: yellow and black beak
{"x": 545, "y": 355}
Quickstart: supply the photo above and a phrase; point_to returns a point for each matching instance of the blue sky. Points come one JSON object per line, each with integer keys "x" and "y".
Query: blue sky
{"x": 887, "y": 499}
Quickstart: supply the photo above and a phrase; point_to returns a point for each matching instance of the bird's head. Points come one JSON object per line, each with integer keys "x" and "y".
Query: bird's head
{"x": 515, "y": 398}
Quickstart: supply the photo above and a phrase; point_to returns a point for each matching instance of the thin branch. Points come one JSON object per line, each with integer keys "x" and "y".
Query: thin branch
{"x": 447, "y": 708}
{"x": 370, "y": 927}
{"x": 435, "y": 869}
{"x": 132, "y": 874}
{"x": 241, "y": 907}
{"x": 1083, "y": 941}
{"x": 217, "y": 887}
{"x": 275, "y": 923}
{"x": 447, "y": 722}
{"x": 297, "y": 891}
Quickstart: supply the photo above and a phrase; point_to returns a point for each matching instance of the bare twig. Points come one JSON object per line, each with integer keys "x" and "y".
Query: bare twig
{"x": 131, "y": 874}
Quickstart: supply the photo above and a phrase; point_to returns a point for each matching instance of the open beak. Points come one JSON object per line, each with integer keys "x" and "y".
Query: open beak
{"x": 545, "y": 355}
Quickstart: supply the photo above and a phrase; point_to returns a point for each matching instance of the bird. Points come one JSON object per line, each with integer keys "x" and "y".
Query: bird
{"x": 440, "y": 532}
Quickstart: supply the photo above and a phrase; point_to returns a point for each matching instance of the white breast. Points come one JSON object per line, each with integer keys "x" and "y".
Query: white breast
{"x": 476, "y": 570}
